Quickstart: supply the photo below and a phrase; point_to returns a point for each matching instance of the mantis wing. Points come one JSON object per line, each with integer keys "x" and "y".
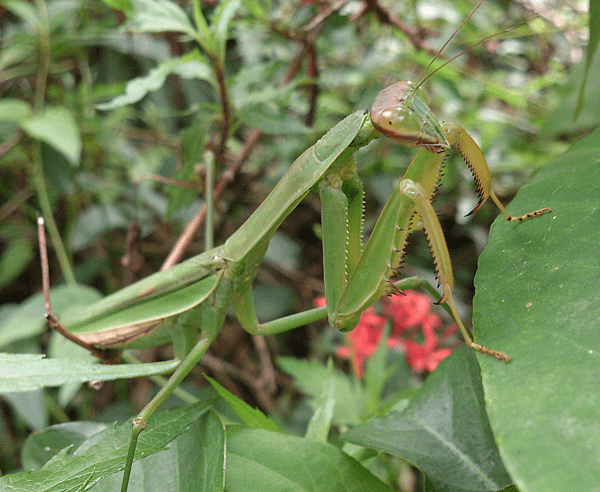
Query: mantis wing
{"x": 139, "y": 308}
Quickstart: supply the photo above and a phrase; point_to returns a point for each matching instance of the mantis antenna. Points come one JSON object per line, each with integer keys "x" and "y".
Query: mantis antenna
{"x": 481, "y": 41}
{"x": 447, "y": 42}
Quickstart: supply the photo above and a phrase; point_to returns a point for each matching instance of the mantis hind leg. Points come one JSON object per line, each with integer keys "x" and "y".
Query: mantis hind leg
{"x": 520, "y": 218}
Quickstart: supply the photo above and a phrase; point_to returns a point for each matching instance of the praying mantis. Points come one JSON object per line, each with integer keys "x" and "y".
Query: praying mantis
{"x": 355, "y": 277}
{"x": 199, "y": 291}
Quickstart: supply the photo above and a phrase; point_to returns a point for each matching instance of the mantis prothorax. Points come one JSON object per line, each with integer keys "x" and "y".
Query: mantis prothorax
{"x": 202, "y": 288}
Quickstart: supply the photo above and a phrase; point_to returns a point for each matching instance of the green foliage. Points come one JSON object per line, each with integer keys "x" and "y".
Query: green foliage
{"x": 444, "y": 430}
{"x": 26, "y": 372}
{"x": 100, "y": 452}
{"x": 252, "y": 417}
{"x": 101, "y": 108}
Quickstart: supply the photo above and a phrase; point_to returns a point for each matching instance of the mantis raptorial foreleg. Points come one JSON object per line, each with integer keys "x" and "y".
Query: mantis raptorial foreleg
{"x": 355, "y": 278}
{"x": 401, "y": 115}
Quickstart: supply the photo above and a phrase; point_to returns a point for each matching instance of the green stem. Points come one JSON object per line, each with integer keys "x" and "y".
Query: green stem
{"x": 43, "y": 55}
{"x": 162, "y": 381}
{"x": 56, "y": 410}
{"x": 139, "y": 423}
{"x": 44, "y": 201}
{"x": 209, "y": 187}
{"x": 138, "y": 426}
{"x": 176, "y": 378}
{"x": 38, "y": 171}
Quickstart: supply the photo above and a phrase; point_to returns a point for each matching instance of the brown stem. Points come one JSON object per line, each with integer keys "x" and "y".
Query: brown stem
{"x": 313, "y": 71}
{"x": 50, "y": 316}
{"x": 220, "y": 154}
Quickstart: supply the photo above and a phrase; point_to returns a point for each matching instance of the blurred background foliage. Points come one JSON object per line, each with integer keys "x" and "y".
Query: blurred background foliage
{"x": 108, "y": 123}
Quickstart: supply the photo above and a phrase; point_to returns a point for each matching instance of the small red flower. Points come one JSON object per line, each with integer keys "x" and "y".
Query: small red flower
{"x": 411, "y": 317}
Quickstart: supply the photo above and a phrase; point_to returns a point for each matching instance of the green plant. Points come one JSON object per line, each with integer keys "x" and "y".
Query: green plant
{"x": 219, "y": 118}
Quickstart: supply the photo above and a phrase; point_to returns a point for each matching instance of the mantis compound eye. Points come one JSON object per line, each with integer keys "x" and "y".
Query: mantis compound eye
{"x": 392, "y": 114}
{"x": 399, "y": 123}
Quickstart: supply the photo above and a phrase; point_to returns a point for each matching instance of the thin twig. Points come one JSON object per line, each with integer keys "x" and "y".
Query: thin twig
{"x": 267, "y": 378}
{"x": 220, "y": 154}
{"x": 220, "y": 366}
{"x": 50, "y": 316}
{"x": 226, "y": 178}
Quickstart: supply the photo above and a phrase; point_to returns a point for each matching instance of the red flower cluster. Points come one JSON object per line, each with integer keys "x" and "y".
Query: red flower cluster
{"x": 410, "y": 314}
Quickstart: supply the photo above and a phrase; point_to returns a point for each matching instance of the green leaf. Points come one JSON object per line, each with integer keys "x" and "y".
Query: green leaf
{"x": 444, "y": 430}
{"x": 104, "y": 453}
{"x": 14, "y": 110}
{"x": 192, "y": 66}
{"x": 192, "y": 462}
{"x": 125, "y": 6}
{"x": 31, "y": 407}
{"x": 252, "y": 417}
{"x": 159, "y": 16}
{"x": 14, "y": 259}
{"x": 24, "y": 10}
{"x": 95, "y": 220}
{"x": 538, "y": 300}
{"x": 271, "y": 462}
{"x": 224, "y": 13}
{"x": 26, "y": 372}
{"x": 57, "y": 127}
{"x": 312, "y": 377}
{"x": 201, "y": 23}
{"x": 320, "y": 422}
{"x": 40, "y": 447}
{"x": 213, "y": 452}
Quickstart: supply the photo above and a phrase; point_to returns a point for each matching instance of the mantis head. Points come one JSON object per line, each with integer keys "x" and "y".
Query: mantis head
{"x": 401, "y": 113}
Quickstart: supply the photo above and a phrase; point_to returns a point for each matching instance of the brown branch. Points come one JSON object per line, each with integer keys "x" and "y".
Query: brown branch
{"x": 220, "y": 154}
{"x": 226, "y": 178}
{"x": 415, "y": 35}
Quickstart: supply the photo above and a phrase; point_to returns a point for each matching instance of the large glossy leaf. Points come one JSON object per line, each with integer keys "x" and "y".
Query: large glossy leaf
{"x": 444, "y": 430}
{"x": 538, "y": 300}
